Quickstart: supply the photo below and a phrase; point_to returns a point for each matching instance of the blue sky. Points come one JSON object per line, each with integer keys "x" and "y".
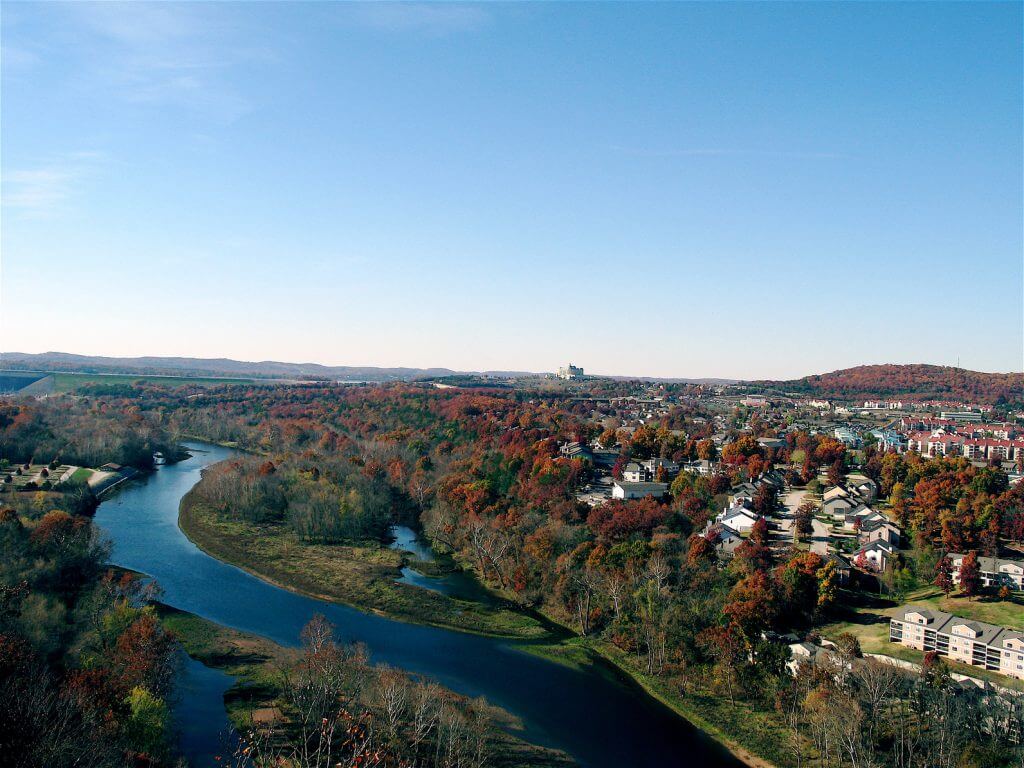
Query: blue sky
{"x": 762, "y": 190}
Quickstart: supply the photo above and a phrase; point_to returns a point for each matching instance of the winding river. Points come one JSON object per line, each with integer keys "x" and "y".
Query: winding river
{"x": 598, "y": 721}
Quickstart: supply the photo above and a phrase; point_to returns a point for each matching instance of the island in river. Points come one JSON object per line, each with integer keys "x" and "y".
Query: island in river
{"x": 599, "y": 721}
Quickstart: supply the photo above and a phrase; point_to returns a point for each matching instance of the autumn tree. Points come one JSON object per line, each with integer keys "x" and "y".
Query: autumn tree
{"x": 970, "y": 574}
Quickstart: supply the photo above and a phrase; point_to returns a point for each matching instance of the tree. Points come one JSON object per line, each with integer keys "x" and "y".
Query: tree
{"x": 803, "y": 521}
{"x": 828, "y": 585}
{"x": 970, "y": 574}
{"x": 944, "y": 576}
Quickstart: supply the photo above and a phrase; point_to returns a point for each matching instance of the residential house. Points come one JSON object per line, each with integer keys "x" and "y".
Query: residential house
{"x": 633, "y": 472}
{"x": 835, "y": 492}
{"x": 866, "y": 488}
{"x": 576, "y": 450}
{"x": 774, "y": 478}
{"x": 847, "y": 437}
{"x": 623, "y": 489}
{"x": 657, "y": 466}
{"x": 837, "y": 507}
{"x": 740, "y": 519}
{"x": 724, "y": 538}
{"x": 879, "y": 529}
{"x": 874, "y": 555}
{"x": 700, "y": 467}
{"x": 843, "y": 568}
{"x": 809, "y": 654}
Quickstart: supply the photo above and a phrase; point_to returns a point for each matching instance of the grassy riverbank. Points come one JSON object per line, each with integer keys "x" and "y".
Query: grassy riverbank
{"x": 258, "y": 665}
{"x": 756, "y": 737}
{"x": 255, "y": 662}
{"x": 360, "y": 576}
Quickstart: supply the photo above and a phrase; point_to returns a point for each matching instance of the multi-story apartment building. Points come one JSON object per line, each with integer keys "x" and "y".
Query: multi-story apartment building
{"x": 969, "y": 642}
{"x": 992, "y": 571}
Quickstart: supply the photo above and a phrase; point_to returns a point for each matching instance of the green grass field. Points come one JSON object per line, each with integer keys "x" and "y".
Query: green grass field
{"x": 70, "y": 382}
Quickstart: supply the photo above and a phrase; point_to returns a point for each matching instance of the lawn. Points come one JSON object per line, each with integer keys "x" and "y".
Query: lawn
{"x": 81, "y": 475}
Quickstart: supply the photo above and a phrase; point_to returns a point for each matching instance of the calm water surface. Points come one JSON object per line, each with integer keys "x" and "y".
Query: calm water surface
{"x": 600, "y": 722}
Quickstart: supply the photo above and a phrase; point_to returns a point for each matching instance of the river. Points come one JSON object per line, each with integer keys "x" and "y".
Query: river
{"x": 600, "y": 722}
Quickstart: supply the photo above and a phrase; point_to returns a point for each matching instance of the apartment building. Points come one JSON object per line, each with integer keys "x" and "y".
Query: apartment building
{"x": 969, "y": 642}
{"x": 993, "y": 571}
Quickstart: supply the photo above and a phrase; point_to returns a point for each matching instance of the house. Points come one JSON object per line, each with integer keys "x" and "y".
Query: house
{"x": 634, "y": 473}
{"x": 866, "y": 488}
{"x": 993, "y": 571}
{"x": 742, "y": 498}
{"x": 657, "y": 466}
{"x": 847, "y": 437}
{"x": 875, "y": 555}
{"x": 835, "y": 492}
{"x": 879, "y": 529}
{"x": 771, "y": 442}
{"x": 843, "y": 568}
{"x": 803, "y": 654}
{"x": 627, "y": 490}
{"x": 724, "y": 538}
{"x": 837, "y": 507}
{"x": 740, "y": 519}
{"x": 889, "y": 440}
{"x": 576, "y": 450}
{"x": 970, "y": 642}
{"x": 857, "y": 517}
{"x": 773, "y": 478}
{"x": 700, "y": 467}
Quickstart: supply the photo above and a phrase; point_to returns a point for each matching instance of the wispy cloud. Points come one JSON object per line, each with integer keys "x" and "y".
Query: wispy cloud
{"x": 728, "y": 152}
{"x": 423, "y": 18}
{"x": 46, "y": 190}
{"x": 160, "y": 54}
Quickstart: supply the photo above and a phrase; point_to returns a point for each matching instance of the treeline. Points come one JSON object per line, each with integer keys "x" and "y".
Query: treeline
{"x": 82, "y": 432}
{"x": 909, "y": 382}
{"x": 320, "y": 498}
{"x": 85, "y": 667}
{"x": 865, "y": 713}
{"x": 341, "y": 711}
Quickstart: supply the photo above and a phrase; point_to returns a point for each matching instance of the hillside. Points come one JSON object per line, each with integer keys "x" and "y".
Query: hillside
{"x": 223, "y": 367}
{"x": 909, "y": 382}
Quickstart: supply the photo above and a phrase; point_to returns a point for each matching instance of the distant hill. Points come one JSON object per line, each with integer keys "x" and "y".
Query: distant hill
{"x": 909, "y": 382}
{"x": 219, "y": 367}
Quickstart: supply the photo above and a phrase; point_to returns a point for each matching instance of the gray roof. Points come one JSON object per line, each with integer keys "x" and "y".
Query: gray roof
{"x": 642, "y": 487}
{"x": 936, "y": 619}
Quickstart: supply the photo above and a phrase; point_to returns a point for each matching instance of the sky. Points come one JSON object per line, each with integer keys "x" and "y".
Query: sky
{"x": 680, "y": 190}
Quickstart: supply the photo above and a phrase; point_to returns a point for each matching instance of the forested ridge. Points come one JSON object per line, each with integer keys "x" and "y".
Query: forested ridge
{"x": 908, "y": 382}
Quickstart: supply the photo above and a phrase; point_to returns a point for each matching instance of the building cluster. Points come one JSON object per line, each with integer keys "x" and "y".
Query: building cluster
{"x": 969, "y": 642}
{"x": 570, "y": 373}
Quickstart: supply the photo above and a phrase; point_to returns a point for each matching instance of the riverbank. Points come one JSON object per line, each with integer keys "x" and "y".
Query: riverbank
{"x": 363, "y": 577}
{"x": 756, "y": 738}
{"x": 258, "y": 666}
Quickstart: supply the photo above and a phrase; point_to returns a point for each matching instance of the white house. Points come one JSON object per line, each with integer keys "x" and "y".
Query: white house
{"x": 874, "y": 554}
{"x": 740, "y": 519}
{"x": 623, "y": 489}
